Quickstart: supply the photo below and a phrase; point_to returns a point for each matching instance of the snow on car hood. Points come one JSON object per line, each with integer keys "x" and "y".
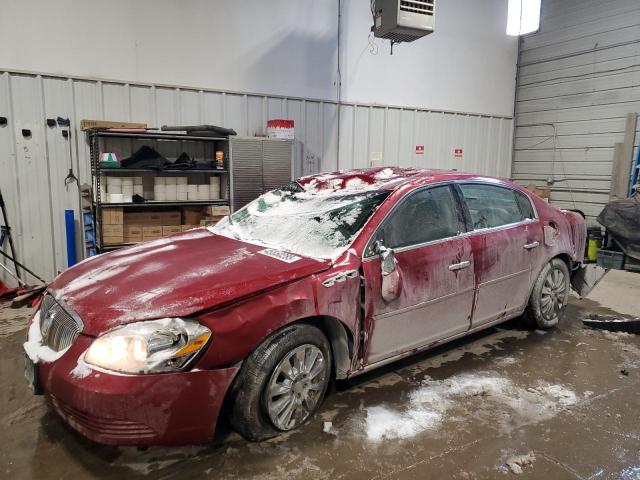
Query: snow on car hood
{"x": 171, "y": 277}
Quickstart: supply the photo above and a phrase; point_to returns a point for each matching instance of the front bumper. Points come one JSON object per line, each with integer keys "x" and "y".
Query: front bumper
{"x": 156, "y": 409}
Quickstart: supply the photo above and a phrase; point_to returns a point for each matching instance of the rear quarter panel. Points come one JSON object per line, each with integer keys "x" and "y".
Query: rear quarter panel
{"x": 571, "y": 232}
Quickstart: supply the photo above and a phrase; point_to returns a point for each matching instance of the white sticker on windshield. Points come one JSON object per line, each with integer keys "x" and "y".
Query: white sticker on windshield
{"x": 280, "y": 255}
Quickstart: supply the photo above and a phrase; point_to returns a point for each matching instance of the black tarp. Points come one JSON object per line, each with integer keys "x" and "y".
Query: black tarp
{"x": 621, "y": 218}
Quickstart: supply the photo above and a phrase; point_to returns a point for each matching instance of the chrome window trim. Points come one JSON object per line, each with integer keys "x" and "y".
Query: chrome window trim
{"x": 507, "y": 226}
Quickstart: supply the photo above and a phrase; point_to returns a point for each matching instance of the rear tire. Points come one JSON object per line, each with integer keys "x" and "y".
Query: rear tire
{"x": 550, "y": 296}
{"x": 282, "y": 383}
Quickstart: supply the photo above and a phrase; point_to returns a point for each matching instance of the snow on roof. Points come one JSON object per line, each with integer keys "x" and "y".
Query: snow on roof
{"x": 381, "y": 178}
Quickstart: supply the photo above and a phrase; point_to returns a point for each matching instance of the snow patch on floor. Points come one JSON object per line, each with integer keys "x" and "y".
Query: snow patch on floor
{"x": 482, "y": 393}
{"x": 505, "y": 361}
{"x": 384, "y": 423}
{"x": 518, "y": 463}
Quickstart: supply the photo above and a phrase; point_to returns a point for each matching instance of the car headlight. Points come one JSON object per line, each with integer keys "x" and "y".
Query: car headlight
{"x": 153, "y": 346}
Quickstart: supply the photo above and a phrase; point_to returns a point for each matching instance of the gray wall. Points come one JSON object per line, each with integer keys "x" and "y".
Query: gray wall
{"x": 32, "y": 170}
{"x": 578, "y": 78}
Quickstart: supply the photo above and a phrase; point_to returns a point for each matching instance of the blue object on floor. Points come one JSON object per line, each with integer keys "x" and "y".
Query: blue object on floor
{"x": 70, "y": 224}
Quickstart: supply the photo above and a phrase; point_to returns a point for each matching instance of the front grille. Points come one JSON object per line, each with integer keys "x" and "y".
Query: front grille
{"x": 108, "y": 428}
{"x": 424, "y": 7}
{"x": 58, "y": 328}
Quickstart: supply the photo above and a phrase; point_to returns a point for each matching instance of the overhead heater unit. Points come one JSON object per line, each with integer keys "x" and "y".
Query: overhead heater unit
{"x": 403, "y": 20}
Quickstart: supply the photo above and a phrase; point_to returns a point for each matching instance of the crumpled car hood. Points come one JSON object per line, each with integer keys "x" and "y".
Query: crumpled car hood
{"x": 171, "y": 277}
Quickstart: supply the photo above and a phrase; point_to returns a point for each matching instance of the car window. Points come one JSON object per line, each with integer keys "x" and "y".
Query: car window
{"x": 525, "y": 205}
{"x": 491, "y": 206}
{"x": 428, "y": 215}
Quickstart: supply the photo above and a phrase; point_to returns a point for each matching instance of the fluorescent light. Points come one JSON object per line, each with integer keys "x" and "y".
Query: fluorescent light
{"x": 523, "y": 17}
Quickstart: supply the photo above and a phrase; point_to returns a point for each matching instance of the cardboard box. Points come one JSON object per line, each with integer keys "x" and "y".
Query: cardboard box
{"x": 171, "y": 229}
{"x": 113, "y": 240}
{"x": 189, "y": 227}
{"x": 112, "y": 216}
{"x": 104, "y": 124}
{"x": 208, "y": 221}
{"x": 133, "y": 218}
{"x": 112, "y": 234}
{"x": 218, "y": 211}
{"x": 151, "y": 232}
{"x": 192, "y": 216}
{"x": 542, "y": 192}
{"x": 132, "y": 233}
{"x": 170, "y": 218}
{"x": 112, "y": 230}
{"x": 150, "y": 219}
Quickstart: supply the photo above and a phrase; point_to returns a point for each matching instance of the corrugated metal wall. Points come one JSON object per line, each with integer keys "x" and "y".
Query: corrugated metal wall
{"x": 578, "y": 78}
{"x": 33, "y": 168}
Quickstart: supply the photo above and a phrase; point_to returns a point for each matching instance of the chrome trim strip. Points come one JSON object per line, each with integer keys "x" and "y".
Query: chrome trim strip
{"x": 501, "y": 279}
{"x": 461, "y": 235}
{"x": 422, "y": 304}
{"x": 340, "y": 277}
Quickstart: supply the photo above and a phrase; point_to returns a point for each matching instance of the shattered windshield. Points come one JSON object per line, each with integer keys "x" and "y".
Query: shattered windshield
{"x": 319, "y": 224}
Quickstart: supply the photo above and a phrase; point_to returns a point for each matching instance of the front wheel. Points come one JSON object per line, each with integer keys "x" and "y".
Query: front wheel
{"x": 282, "y": 383}
{"x": 550, "y": 295}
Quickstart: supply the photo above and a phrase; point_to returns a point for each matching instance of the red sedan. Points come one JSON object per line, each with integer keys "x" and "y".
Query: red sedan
{"x": 327, "y": 278}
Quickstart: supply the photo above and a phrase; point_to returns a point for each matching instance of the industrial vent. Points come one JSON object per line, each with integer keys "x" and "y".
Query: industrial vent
{"x": 425, "y": 8}
{"x": 403, "y": 20}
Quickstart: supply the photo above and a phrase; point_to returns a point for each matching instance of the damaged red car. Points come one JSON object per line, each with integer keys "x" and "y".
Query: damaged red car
{"x": 327, "y": 278}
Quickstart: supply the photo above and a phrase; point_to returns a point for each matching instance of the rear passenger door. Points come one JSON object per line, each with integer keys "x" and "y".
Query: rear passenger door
{"x": 505, "y": 240}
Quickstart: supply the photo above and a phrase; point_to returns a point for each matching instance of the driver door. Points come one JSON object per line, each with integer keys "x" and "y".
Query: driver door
{"x": 434, "y": 275}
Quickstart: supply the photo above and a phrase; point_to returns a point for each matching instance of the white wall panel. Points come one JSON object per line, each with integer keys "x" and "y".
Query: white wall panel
{"x": 277, "y": 47}
{"x": 578, "y": 79}
{"x": 32, "y": 170}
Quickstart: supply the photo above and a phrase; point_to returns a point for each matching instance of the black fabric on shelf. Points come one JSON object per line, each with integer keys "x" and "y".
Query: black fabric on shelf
{"x": 138, "y": 199}
{"x": 145, "y": 157}
{"x": 201, "y": 130}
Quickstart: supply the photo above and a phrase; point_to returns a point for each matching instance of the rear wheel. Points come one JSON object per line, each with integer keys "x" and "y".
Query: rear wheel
{"x": 550, "y": 295}
{"x": 282, "y": 383}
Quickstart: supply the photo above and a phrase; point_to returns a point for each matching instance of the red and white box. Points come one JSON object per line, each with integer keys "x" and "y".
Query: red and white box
{"x": 283, "y": 129}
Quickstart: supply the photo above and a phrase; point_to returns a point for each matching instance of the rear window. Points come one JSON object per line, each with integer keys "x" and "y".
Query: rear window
{"x": 525, "y": 205}
{"x": 492, "y": 206}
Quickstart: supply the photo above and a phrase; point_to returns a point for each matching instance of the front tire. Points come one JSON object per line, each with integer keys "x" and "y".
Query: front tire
{"x": 282, "y": 383}
{"x": 550, "y": 295}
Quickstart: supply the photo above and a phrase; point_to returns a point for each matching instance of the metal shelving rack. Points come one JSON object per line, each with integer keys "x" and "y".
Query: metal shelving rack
{"x": 97, "y": 139}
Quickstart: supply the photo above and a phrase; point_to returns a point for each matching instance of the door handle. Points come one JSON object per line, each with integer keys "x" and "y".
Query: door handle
{"x": 459, "y": 266}
{"x": 531, "y": 245}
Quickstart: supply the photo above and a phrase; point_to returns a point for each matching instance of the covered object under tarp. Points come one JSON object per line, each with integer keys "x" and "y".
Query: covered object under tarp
{"x": 621, "y": 218}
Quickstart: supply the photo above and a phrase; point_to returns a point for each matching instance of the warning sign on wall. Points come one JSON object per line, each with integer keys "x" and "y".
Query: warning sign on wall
{"x": 457, "y": 152}
{"x": 419, "y": 149}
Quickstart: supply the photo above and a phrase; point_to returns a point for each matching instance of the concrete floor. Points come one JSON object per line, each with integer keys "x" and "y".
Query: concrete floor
{"x": 557, "y": 399}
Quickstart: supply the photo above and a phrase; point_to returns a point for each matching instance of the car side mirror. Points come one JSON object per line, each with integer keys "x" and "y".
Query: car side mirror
{"x": 387, "y": 256}
{"x": 388, "y": 264}
{"x": 391, "y": 281}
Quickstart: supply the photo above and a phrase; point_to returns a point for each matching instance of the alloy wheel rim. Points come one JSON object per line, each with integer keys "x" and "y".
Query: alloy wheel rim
{"x": 296, "y": 386}
{"x": 552, "y": 300}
